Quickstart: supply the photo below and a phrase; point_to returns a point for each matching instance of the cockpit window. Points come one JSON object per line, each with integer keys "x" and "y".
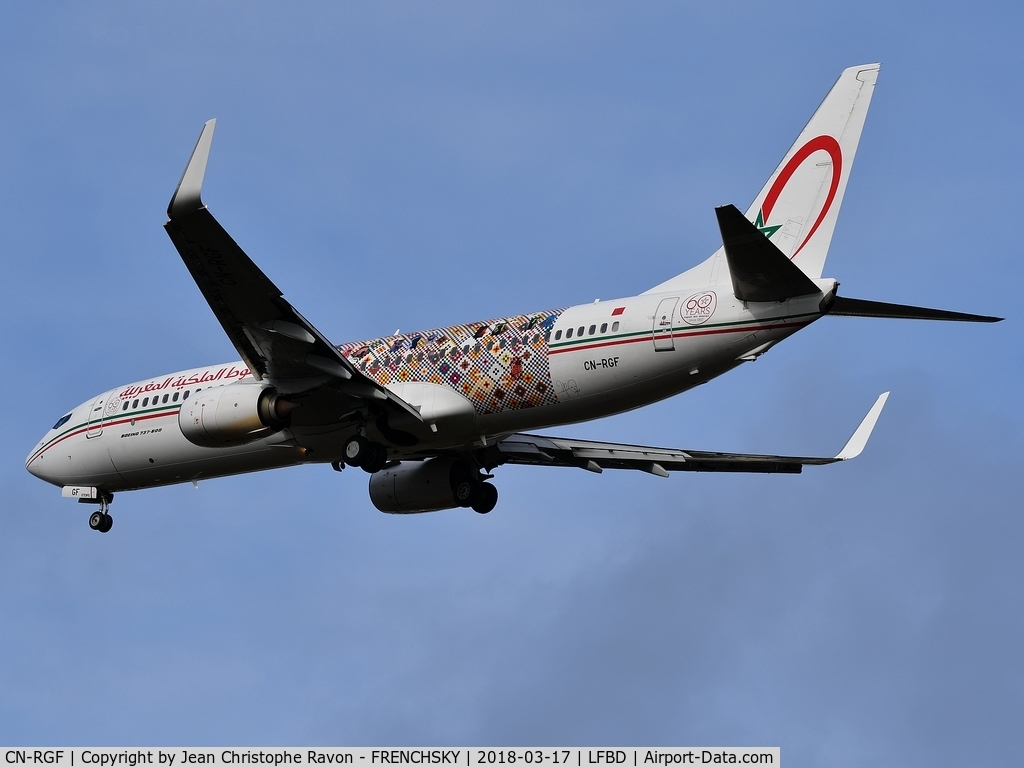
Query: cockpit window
{"x": 62, "y": 421}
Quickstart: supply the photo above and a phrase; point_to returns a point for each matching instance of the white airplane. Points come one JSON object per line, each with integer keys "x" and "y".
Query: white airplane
{"x": 429, "y": 415}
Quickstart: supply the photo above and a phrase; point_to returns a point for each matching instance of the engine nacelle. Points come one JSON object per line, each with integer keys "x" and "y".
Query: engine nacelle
{"x": 416, "y": 486}
{"x": 232, "y": 415}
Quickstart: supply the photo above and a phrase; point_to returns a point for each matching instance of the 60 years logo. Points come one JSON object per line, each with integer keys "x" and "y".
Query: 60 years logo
{"x": 699, "y": 308}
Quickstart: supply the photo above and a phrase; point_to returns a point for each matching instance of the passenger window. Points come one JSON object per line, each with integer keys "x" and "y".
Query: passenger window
{"x": 579, "y": 331}
{"x": 592, "y": 331}
{"x": 125, "y": 406}
{"x": 185, "y": 396}
{"x": 62, "y": 421}
{"x": 558, "y": 335}
{"x": 175, "y": 398}
{"x": 604, "y": 327}
{"x": 615, "y": 326}
{"x": 568, "y": 334}
{"x": 135, "y": 403}
{"x": 165, "y": 399}
{"x": 145, "y": 402}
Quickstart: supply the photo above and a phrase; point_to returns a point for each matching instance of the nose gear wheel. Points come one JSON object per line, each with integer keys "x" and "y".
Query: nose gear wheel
{"x": 100, "y": 521}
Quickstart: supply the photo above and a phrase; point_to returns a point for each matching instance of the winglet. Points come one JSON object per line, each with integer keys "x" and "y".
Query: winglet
{"x": 856, "y": 443}
{"x": 188, "y": 196}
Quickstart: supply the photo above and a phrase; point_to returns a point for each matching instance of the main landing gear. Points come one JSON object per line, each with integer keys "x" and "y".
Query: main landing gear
{"x": 470, "y": 491}
{"x": 100, "y": 520}
{"x": 360, "y": 452}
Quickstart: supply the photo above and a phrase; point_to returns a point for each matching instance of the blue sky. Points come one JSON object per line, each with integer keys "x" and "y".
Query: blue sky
{"x": 415, "y": 165}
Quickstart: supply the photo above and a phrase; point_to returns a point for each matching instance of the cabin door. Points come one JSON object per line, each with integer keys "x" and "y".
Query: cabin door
{"x": 95, "y": 427}
{"x": 664, "y": 325}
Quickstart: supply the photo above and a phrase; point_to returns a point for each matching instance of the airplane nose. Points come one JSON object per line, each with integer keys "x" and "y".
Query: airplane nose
{"x": 36, "y": 464}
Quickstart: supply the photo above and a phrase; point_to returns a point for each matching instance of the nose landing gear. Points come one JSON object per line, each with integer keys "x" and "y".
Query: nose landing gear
{"x": 100, "y": 520}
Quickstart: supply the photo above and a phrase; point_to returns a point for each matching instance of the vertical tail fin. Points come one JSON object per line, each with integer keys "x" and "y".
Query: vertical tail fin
{"x": 798, "y": 206}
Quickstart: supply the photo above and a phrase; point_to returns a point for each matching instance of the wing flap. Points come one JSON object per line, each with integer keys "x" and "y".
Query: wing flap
{"x": 541, "y": 450}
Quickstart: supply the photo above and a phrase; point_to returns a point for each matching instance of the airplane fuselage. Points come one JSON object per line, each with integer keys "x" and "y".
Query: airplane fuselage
{"x": 472, "y": 384}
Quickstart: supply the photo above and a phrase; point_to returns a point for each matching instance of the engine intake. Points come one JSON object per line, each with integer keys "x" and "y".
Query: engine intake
{"x": 409, "y": 487}
{"x": 232, "y": 415}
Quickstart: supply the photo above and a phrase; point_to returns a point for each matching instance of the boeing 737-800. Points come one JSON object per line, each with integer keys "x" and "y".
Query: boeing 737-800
{"x": 430, "y": 415}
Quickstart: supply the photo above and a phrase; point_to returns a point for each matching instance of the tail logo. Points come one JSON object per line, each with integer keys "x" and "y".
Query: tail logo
{"x": 822, "y": 143}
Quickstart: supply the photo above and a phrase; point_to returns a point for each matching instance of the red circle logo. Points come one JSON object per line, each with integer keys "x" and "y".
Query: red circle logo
{"x": 822, "y": 143}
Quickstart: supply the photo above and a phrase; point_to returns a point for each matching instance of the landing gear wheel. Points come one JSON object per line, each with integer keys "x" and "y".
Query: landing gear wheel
{"x": 101, "y": 521}
{"x": 487, "y": 497}
{"x": 466, "y": 492}
{"x": 356, "y": 450}
{"x": 376, "y": 458}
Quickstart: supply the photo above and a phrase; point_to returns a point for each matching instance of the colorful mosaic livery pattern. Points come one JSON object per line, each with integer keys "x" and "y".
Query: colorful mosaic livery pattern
{"x": 500, "y": 365}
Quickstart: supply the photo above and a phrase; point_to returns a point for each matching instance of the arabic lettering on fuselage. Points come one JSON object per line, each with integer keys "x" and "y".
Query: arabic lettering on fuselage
{"x": 224, "y": 373}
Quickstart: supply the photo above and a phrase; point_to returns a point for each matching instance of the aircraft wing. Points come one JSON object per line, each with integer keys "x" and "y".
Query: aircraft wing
{"x": 274, "y": 340}
{"x": 596, "y": 456}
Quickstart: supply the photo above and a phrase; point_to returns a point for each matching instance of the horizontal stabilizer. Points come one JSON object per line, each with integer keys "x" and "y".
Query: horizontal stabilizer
{"x": 759, "y": 270}
{"x": 863, "y": 308}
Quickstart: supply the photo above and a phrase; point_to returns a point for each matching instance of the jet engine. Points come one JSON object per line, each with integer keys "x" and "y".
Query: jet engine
{"x": 417, "y": 486}
{"x": 233, "y": 414}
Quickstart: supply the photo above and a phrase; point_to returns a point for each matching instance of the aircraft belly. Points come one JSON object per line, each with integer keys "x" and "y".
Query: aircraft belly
{"x": 219, "y": 462}
{"x": 205, "y": 463}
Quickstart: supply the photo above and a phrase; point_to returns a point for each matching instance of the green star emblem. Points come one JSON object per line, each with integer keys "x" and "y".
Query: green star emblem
{"x": 766, "y": 231}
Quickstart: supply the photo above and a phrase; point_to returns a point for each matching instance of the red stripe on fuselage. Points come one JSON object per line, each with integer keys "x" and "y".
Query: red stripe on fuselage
{"x": 102, "y": 425}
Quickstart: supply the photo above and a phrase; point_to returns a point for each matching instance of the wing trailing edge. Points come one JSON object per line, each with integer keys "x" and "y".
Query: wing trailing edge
{"x": 540, "y": 450}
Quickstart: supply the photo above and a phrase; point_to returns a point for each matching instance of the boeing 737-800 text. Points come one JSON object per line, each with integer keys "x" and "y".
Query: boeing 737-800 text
{"x": 429, "y": 415}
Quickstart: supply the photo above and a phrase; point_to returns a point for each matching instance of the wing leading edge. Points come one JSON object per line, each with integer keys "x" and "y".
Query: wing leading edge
{"x": 273, "y": 339}
{"x": 596, "y": 457}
